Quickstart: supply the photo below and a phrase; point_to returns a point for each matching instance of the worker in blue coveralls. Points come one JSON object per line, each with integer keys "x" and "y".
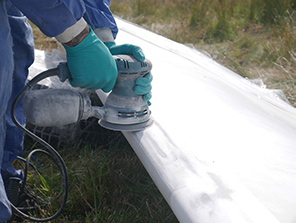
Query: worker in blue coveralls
{"x": 86, "y": 29}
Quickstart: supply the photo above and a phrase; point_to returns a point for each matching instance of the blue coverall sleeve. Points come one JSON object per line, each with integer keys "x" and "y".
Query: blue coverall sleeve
{"x": 99, "y": 15}
{"x": 53, "y": 17}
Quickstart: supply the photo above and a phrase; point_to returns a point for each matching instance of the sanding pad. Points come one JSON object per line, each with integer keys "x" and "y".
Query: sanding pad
{"x": 126, "y": 128}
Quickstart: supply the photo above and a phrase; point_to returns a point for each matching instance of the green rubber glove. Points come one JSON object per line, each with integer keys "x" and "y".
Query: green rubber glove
{"x": 143, "y": 85}
{"x": 91, "y": 64}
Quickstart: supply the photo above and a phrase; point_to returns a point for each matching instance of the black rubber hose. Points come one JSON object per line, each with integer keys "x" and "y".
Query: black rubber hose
{"x": 62, "y": 167}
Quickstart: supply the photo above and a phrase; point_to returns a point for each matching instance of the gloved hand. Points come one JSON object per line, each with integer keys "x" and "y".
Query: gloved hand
{"x": 91, "y": 64}
{"x": 143, "y": 85}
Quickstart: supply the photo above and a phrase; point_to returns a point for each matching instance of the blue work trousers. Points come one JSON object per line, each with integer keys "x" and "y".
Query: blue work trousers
{"x": 16, "y": 55}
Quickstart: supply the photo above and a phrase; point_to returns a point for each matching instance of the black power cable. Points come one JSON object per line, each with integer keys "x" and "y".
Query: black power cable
{"x": 55, "y": 155}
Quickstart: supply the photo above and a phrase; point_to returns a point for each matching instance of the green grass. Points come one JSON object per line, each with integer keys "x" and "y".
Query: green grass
{"x": 116, "y": 188}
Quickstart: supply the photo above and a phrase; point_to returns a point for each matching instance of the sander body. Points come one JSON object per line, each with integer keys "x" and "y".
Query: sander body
{"x": 123, "y": 110}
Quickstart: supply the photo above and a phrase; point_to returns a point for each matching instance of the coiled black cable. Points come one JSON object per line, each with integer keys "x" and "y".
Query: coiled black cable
{"x": 55, "y": 155}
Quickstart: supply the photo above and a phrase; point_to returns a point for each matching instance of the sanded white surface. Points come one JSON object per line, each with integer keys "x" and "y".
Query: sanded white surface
{"x": 221, "y": 148}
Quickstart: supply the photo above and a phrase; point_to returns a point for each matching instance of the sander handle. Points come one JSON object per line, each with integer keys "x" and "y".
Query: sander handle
{"x": 123, "y": 67}
{"x": 64, "y": 72}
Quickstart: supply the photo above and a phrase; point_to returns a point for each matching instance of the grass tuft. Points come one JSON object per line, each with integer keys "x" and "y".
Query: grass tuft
{"x": 114, "y": 187}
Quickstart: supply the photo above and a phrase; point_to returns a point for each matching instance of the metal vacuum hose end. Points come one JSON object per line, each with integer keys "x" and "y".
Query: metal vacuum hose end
{"x": 56, "y": 107}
